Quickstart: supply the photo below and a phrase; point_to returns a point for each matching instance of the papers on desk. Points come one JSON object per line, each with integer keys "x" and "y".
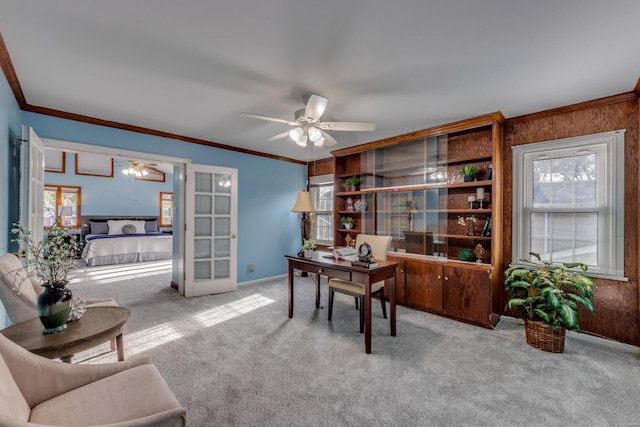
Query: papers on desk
{"x": 348, "y": 254}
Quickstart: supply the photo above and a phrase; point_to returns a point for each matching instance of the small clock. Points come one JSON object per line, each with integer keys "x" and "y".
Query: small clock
{"x": 364, "y": 252}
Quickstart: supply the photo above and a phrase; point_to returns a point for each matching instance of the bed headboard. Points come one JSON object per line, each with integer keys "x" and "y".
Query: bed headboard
{"x": 86, "y": 220}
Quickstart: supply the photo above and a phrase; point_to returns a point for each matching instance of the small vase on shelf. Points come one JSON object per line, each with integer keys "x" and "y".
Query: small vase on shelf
{"x": 350, "y": 204}
{"x": 471, "y": 232}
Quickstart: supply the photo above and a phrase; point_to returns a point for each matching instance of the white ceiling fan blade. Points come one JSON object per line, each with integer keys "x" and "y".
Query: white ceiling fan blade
{"x": 348, "y": 126}
{"x": 279, "y": 136}
{"x": 270, "y": 119}
{"x": 328, "y": 139}
{"x": 315, "y": 107}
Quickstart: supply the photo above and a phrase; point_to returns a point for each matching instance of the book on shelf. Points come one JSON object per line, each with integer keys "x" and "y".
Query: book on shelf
{"x": 486, "y": 230}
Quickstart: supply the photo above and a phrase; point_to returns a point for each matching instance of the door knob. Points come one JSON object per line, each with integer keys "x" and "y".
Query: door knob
{"x": 233, "y": 236}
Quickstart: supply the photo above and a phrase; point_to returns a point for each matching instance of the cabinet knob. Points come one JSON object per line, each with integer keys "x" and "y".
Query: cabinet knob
{"x": 401, "y": 271}
{"x": 439, "y": 277}
{"x": 446, "y": 278}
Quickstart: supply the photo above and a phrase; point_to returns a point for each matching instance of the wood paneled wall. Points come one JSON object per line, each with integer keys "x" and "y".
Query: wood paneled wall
{"x": 320, "y": 167}
{"x": 616, "y": 302}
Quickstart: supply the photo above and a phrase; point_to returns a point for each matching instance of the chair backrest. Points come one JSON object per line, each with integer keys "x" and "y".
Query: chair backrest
{"x": 14, "y": 408}
{"x": 379, "y": 244}
{"x": 17, "y": 293}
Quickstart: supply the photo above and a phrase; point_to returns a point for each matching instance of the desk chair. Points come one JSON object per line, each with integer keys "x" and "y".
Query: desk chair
{"x": 379, "y": 248}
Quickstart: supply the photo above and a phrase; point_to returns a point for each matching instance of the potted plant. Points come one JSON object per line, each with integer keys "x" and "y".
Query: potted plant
{"x": 347, "y": 222}
{"x": 465, "y": 254}
{"x": 549, "y": 295}
{"x": 308, "y": 246}
{"x": 50, "y": 261}
{"x": 351, "y": 183}
{"x": 469, "y": 172}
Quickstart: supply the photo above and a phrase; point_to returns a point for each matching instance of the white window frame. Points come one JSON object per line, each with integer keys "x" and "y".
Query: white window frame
{"x": 314, "y": 183}
{"x": 609, "y": 150}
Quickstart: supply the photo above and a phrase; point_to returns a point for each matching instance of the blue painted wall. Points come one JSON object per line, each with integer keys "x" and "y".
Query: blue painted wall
{"x": 267, "y": 188}
{"x": 127, "y": 196}
{"x": 10, "y": 121}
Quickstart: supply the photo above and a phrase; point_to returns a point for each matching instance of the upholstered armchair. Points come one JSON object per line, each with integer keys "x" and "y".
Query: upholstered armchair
{"x": 36, "y": 391}
{"x": 20, "y": 304}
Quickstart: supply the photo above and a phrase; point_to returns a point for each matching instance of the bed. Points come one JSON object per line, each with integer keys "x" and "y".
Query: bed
{"x": 124, "y": 239}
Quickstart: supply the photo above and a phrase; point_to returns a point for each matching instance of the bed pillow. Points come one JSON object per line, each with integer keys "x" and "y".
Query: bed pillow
{"x": 129, "y": 229}
{"x": 99, "y": 227}
{"x": 140, "y": 227}
{"x": 151, "y": 226}
{"x": 115, "y": 226}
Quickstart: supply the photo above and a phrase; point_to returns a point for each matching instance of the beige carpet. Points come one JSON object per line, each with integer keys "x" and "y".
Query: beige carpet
{"x": 235, "y": 359}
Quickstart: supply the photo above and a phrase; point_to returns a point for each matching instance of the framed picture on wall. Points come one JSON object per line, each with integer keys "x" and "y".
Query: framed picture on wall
{"x": 94, "y": 165}
{"x": 153, "y": 174}
{"x": 54, "y": 160}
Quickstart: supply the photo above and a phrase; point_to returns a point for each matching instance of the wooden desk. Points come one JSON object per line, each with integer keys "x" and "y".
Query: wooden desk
{"x": 97, "y": 325}
{"x": 330, "y": 267}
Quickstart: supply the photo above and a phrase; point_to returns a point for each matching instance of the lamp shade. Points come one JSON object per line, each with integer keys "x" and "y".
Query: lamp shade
{"x": 303, "y": 203}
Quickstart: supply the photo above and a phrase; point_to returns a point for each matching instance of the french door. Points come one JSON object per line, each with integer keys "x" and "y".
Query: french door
{"x": 211, "y": 226}
{"x": 32, "y": 183}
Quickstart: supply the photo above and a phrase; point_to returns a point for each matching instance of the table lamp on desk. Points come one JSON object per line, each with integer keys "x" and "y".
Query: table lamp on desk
{"x": 304, "y": 206}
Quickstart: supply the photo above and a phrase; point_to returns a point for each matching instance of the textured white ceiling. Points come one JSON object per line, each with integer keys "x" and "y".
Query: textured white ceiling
{"x": 190, "y": 67}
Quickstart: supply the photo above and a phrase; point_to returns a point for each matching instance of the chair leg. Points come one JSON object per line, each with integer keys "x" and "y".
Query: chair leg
{"x": 331, "y": 292}
{"x": 361, "y": 313}
{"x": 384, "y": 305}
{"x": 356, "y": 298}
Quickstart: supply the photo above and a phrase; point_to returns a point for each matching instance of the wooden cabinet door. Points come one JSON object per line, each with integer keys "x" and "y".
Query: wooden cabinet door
{"x": 400, "y": 292}
{"x": 423, "y": 285}
{"x": 467, "y": 294}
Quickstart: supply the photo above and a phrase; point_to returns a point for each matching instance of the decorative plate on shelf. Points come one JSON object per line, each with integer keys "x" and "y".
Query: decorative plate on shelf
{"x": 360, "y": 205}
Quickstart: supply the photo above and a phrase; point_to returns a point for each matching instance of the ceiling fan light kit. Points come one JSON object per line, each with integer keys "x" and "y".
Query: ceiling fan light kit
{"x": 135, "y": 168}
{"x": 308, "y": 126}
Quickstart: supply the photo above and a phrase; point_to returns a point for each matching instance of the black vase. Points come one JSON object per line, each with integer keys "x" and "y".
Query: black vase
{"x": 54, "y": 306}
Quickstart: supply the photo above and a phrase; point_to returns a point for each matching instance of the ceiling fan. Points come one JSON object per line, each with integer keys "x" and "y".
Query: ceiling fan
{"x": 308, "y": 126}
{"x": 137, "y": 168}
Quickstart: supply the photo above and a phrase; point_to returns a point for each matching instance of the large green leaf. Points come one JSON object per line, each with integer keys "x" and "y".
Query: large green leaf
{"x": 551, "y": 298}
{"x": 518, "y": 284}
{"x": 515, "y": 302}
{"x": 579, "y": 299}
{"x": 542, "y": 315}
{"x": 569, "y": 317}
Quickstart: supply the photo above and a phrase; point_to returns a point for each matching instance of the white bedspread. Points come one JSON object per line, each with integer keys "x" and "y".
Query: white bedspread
{"x": 138, "y": 248}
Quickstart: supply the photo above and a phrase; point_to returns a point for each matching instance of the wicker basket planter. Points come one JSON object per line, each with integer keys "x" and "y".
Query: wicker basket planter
{"x": 544, "y": 337}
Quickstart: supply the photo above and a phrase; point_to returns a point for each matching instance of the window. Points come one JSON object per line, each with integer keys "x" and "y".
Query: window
{"x": 61, "y": 206}
{"x": 166, "y": 209}
{"x": 569, "y": 202}
{"x": 321, "y": 189}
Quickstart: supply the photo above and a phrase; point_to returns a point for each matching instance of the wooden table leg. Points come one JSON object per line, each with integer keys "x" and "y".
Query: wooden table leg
{"x": 367, "y": 316}
{"x": 317, "y": 280}
{"x": 290, "y": 291}
{"x": 120, "y": 346}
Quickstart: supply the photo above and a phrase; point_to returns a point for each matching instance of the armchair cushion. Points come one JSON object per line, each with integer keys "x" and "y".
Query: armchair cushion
{"x": 134, "y": 393}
